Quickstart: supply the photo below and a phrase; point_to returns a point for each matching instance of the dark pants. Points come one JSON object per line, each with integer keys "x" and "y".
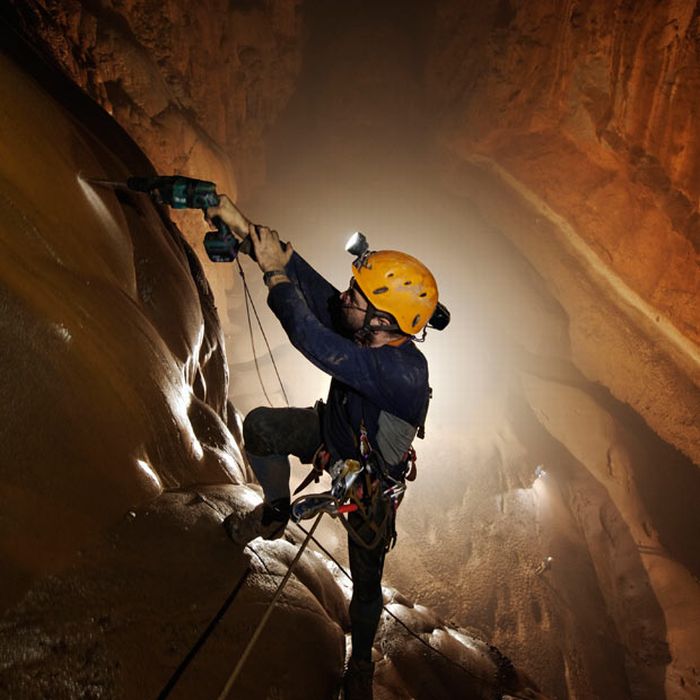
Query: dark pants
{"x": 270, "y": 435}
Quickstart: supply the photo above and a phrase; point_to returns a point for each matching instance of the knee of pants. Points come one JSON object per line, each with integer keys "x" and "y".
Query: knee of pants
{"x": 254, "y": 431}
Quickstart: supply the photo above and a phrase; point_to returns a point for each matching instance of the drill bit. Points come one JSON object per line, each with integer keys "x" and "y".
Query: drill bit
{"x": 107, "y": 183}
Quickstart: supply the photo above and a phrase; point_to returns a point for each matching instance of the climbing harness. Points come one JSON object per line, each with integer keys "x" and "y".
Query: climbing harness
{"x": 321, "y": 458}
{"x": 364, "y": 488}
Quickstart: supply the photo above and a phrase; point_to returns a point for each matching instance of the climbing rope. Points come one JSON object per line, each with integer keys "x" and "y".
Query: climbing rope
{"x": 177, "y": 674}
{"x": 182, "y": 666}
{"x": 249, "y": 303}
{"x": 263, "y": 621}
{"x": 309, "y": 535}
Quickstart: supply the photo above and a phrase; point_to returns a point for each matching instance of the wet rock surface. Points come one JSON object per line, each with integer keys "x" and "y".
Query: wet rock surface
{"x": 122, "y": 619}
{"x": 113, "y": 555}
{"x": 567, "y": 130}
{"x": 196, "y": 85}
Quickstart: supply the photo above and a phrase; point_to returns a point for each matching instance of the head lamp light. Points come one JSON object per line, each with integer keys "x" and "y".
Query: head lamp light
{"x": 357, "y": 244}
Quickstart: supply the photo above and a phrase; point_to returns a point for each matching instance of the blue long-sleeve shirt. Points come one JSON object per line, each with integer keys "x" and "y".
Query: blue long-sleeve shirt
{"x": 374, "y": 385}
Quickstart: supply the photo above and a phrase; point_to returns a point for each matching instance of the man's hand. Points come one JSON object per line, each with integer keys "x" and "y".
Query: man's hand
{"x": 268, "y": 249}
{"x": 266, "y": 243}
{"x": 229, "y": 213}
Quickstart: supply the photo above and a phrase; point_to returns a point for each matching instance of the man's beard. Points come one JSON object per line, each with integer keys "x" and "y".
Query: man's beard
{"x": 343, "y": 324}
{"x": 350, "y": 328}
{"x": 355, "y": 330}
{"x": 341, "y": 321}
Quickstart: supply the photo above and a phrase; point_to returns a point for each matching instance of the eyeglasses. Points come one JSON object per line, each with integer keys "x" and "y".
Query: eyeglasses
{"x": 356, "y": 293}
{"x": 355, "y": 288}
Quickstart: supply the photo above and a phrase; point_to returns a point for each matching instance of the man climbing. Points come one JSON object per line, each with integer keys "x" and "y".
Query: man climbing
{"x": 379, "y": 394}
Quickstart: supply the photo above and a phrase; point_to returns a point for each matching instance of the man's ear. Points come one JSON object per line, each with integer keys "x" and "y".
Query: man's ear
{"x": 381, "y": 321}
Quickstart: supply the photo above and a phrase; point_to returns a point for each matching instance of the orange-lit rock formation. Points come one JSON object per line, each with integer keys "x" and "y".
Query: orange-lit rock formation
{"x": 571, "y": 126}
{"x": 115, "y": 373}
{"x": 118, "y": 458}
{"x": 586, "y": 112}
{"x": 196, "y": 85}
{"x": 566, "y": 136}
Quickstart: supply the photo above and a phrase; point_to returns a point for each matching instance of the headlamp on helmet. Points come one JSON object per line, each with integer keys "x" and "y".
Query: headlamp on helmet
{"x": 397, "y": 284}
{"x": 357, "y": 244}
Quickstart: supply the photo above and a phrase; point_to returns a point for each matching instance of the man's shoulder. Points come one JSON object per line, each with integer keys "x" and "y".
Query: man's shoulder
{"x": 403, "y": 381}
{"x": 405, "y": 361}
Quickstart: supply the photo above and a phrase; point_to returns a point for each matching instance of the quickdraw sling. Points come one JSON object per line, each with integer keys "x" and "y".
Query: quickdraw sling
{"x": 366, "y": 489}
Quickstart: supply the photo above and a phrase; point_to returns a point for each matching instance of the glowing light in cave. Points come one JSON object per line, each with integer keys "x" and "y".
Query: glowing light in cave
{"x": 180, "y": 402}
{"x": 541, "y": 493}
{"x": 98, "y": 205}
{"x": 544, "y": 565}
{"x": 62, "y": 332}
{"x": 357, "y": 244}
{"x": 149, "y": 472}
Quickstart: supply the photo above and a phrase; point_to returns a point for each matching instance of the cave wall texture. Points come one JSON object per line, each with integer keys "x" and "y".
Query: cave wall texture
{"x": 570, "y": 128}
{"x": 588, "y": 111}
{"x": 120, "y": 452}
{"x": 196, "y": 86}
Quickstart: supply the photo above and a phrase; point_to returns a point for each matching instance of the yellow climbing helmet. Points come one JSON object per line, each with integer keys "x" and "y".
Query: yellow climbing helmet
{"x": 397, "y": 284}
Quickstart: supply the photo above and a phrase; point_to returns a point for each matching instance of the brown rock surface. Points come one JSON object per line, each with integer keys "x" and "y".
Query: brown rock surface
{"x": 571, "y": 127}
{"x": 587, "y": 110}
{"x": 117, "y": 464}
{"x": 196, "y": 85}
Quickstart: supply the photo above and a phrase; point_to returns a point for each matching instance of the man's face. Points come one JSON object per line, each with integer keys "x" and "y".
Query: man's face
{"x": 353, "y": 307}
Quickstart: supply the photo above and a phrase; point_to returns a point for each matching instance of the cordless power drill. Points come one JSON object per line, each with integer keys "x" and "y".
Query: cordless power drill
{"x": 181, "y": 192}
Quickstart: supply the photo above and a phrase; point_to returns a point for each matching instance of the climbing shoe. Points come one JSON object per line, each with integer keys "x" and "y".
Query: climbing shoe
{"x": 267, "y": 520}
{"x": 275, "y": 517}
{"x": 357, "y": 681}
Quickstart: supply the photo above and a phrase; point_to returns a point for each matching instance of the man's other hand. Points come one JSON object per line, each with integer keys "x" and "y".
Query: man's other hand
{"x": 268, "y": 249}
{"x": 229, "y": 213}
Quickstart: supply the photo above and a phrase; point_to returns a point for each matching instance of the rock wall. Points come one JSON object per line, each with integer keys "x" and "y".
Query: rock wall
{"x": 569, "y": 127}
{"x": 119, "y": 459}
{"x": 114, "y": 370}
{"x": 196, "y": 85}
{"x": 610, "y": 615}
{"x": 586, "y": 110}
